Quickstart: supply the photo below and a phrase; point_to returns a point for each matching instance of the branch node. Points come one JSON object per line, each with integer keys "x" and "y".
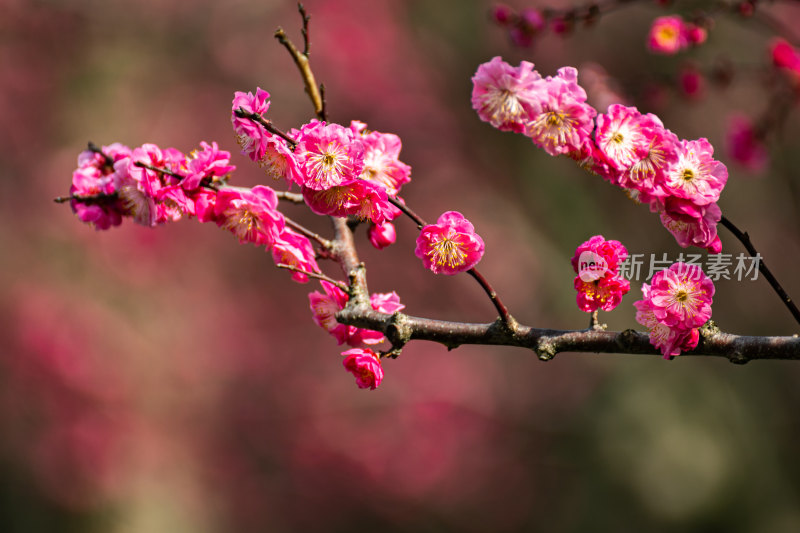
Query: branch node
{"x": 738, "y": 358}
{"x": 545, "y": 349}
{"x": 627, "y": 338}
{"x": 398, "y": 332}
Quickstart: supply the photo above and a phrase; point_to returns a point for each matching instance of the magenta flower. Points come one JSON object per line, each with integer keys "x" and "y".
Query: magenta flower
{"x": 381, "y": 235}
{"x": 365, "y": 365}
{"x": 598, "y": 283}
{"x": 692, "y": 225}
{"x": 381, "y": 163}
{"x": 450, "y": 246}
{"x": 564, "y": 121}
{"x": 207, "y": 163}
{"x": 674, "y": 306}
{"x": 681, "y": 296}
{"x": 361, "y": 198}
{"x": 279, "y": 161}
{"x": 295, "y": 250}
{"x": 621, "y": 137}
{"x": 250, "y": 135}
{"x": 744, "y": 144}
{"x": 696, "y": 175}
{"x": 505, "y": 96}
{"x": 785, "y": 56}
{"x": 325, "y": 306}
{"x": 95, "y": 180}
{"x": 328, "y": 155}
{"x": 250, "y": 214}
{"x": 671, "y": 341}
{"x": 668, "y": 35}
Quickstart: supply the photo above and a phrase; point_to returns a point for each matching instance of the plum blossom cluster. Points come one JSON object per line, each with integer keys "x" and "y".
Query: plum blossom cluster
{"x": 677, "y": 178}
{"x": 675, "y": 305}
{"x": 598, "y": 281}
{"x": 342, "y": 171}
{"x": 154, "y": 186}
{"x": 671, "y": 34}
{"x": 361, "y": 361}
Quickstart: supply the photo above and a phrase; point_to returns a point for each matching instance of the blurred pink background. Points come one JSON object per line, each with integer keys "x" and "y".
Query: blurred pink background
{"x": 173, "y": 379}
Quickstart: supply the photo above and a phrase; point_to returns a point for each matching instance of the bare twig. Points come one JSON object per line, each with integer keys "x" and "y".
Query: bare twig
{"x": 314, "y": 275}
{"x": 744, "y": 238}
{"x": 301, "y": 60}
{"x": 267, "y": 124}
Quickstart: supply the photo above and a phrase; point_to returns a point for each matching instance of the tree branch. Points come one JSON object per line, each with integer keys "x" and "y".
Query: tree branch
{"x": 400, "y": 328}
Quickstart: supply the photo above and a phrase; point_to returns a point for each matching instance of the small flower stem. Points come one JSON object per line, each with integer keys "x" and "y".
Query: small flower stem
{"x": 744, "y": 238}
{"x": 408, "y": 212}
{"x": 301, "y": 60}
{"x": 161, "y": 170}
{"x": 306, "y": 38}
{"x": 325, "y": 243}
{"x": 94, "y": 148}
{"x": 292, "y": 197}
{"x": 313, "y": 275}
{"x": 593, "y": 320}
{"x": 255, "y": 117}
{"x": 501, "y": 308}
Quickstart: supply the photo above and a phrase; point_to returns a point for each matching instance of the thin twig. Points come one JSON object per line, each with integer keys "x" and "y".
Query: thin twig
{"x": 157, "y": 169}
{"x": 301, "y": 60}
{"x": 306, "y": 38}
{"x": 94, "y": 148}
{"x": 314, "y": 275}
{"x": 322, "y": 241}
{"x": 744, "y": 238}
{"x": 408, "y": 212}
{"x": 508, "y": 320}
{"x": 267, "y": 124}
{"x": 293, "y": 197}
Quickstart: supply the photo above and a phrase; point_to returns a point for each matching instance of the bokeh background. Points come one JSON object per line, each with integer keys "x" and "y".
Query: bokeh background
{"x": 173, "y": 380}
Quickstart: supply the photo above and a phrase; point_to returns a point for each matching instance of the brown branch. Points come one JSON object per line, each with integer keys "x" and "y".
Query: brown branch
{"x": 157, "y": 169}
{"x": 399, "y": 329}
{"x": 301, "y": 60}
{"x": 302, "y": 230}
{"x": 744, "y": 238}
{"x": 314, "y": 275}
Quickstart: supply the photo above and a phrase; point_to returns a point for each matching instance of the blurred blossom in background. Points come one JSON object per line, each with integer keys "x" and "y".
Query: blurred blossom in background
{"x": 172, "y": 379}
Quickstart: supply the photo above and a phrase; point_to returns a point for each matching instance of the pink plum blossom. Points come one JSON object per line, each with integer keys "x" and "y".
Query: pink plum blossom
{"x": 328, "y": 155}
{"x": 295, "y": 250}
{"x": 785, "y": 56}
{"x": 681, "y": 296}
{"x": 744, "y": 144}
{"x": 279, "y": 161}
{"x": 505, "y": 96}
{"x": 692, "y": 225}
{"x": 605, "y": 293}
{"x": 696, "y": 175}
{"x": 563, "y": 121}
{"x": 450, "y": 246}
{"x": 381, "y": 163}
{"x": 325, "y": 306}
{"x": 668, "y": 35}
{"x": 365, "y": 365}
{"x": 671, "y": 341}
{"x": 361, "y": 198}
{"x": 250, "y": 214}
{"x": 381, "y": 235}
{"x": 599, "y": 286}
{"x": 621, "y": 136}
{"x": 250, "y": 135}
{"x": 207, "y": 163}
